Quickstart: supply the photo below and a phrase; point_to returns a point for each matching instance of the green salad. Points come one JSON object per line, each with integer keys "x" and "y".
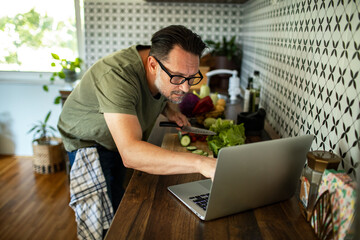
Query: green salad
{"x": 228, "y": 134}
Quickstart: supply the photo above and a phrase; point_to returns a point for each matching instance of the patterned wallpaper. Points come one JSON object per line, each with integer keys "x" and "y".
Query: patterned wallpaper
{"x": 112, "y": 25}
{"x": 306, "y": 51}
{"x": 308, "y": 55}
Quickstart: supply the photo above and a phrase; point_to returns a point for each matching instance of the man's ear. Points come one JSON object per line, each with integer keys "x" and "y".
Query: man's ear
{"x": 152, "y": 64}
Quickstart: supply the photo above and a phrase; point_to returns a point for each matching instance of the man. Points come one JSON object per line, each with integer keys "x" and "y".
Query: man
{"x": 108, "y": 117}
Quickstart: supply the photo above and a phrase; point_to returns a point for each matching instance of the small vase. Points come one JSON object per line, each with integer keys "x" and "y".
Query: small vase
{"x": 70, "y": 76}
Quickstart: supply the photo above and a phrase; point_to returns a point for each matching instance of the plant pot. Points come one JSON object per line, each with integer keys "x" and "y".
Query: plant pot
{"x": 222, "y": 62}
{"x": 220, "y": 82}
{"x": 70, "y": 76}
{"x": 49, "y": 158}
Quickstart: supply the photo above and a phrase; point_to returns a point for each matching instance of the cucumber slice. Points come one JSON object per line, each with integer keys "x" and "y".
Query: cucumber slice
{"x": 198, "y": 151}
{"x": 185, "y": 140}
{"x": 180, "y": 135}
{"x": 191, "y": 148}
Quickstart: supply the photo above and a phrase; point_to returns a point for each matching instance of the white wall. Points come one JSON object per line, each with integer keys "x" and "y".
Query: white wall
{"x": 21, "y": 105}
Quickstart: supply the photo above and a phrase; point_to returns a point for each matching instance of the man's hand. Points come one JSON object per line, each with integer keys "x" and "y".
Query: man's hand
{"x": 207, "y": 168}
{"x": 172, "y": 112}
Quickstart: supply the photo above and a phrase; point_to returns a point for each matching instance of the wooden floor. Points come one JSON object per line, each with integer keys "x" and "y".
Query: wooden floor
{"x": 33, "y": 206}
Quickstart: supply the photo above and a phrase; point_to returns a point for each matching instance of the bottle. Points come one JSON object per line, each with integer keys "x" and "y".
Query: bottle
{"x": 256, "y": 92}
{"x": 256, "y": 80}
{"x": 311, "y": 176}
{"x": 247, "y": 95}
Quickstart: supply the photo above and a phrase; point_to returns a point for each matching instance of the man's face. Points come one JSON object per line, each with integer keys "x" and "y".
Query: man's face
{"x": 179, "y": 62}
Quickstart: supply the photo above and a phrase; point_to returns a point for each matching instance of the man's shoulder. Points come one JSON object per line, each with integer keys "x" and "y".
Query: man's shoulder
{"x": 130, "y": 54}
{"x": 124, "y": 62}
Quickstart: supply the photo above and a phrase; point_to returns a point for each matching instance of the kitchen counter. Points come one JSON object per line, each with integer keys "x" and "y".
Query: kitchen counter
{"x": 149, "y": 211}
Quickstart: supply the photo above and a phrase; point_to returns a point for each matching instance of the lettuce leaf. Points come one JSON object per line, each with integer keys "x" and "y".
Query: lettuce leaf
{"x": 228, "y": 134}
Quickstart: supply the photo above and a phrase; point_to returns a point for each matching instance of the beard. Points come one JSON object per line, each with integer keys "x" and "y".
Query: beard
{"x": 175, "y": 97}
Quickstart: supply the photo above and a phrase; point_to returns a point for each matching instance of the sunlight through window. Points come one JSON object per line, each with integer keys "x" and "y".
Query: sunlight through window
{"x": 30, "y": 30}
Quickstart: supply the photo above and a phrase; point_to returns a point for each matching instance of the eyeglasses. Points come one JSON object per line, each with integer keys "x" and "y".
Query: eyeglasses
{"x": 178, "y": 79}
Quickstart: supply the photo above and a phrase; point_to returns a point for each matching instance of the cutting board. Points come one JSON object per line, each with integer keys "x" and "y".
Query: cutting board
{"x": 171, "y": 142}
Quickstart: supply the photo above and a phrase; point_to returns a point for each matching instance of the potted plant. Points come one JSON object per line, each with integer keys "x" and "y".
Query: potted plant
{"x": 69, "y": 71}
{"x": 48, "y": 149}
{"x": 226, "y": 53}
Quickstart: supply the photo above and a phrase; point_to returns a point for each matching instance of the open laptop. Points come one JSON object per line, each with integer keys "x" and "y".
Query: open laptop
{"x": 246, "y": 177}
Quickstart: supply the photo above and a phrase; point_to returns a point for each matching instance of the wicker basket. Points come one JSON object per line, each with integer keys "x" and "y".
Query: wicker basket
{"x": 49, "y": 158}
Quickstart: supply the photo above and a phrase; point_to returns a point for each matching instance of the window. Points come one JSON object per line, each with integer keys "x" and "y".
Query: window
{"x": 30, "y": 30}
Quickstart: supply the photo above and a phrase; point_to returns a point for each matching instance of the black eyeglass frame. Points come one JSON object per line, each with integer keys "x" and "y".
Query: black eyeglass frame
{"x": 185, "y": 78}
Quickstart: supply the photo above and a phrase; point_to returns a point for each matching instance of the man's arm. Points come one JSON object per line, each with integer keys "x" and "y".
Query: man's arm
{"x": 140, "y": 155}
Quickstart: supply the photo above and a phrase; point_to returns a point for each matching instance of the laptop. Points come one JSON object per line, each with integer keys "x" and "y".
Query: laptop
{"x": 247, "y": 176}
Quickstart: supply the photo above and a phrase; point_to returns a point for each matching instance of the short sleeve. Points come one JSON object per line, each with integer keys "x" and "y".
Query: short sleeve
{"x": 116, "y": 93}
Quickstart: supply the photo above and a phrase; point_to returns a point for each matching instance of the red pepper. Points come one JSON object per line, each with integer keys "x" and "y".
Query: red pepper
{"x": 197, "y": 137}
{"x": 193, "y": 137}
{"x": 204, "y": 105}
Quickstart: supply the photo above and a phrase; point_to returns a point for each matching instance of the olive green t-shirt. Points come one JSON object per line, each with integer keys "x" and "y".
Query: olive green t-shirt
{"x": 115, "y": 84}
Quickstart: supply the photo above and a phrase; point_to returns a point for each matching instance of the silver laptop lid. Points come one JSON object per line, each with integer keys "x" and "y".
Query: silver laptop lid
{"x": 256, "y": 174}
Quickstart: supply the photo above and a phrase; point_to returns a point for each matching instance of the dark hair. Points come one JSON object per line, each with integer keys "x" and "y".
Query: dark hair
{"x": 164, "y": 40}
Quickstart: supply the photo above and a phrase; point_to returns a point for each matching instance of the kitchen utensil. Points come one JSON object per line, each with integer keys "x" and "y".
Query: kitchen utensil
{"x": 188, "y": 128}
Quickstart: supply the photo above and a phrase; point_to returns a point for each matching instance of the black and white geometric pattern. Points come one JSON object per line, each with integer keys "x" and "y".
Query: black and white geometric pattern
{"x": 307, "y": 52}
{"x": 112, "y": 25}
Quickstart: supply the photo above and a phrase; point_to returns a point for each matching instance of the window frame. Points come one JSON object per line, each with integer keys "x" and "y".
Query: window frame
{"x": 25, "y": 77}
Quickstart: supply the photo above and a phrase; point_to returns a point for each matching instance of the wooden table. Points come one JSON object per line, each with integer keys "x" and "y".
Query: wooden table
{"x": 149, "y": 211}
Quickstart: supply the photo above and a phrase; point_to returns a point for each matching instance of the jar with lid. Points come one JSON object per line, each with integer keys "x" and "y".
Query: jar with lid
{"x": 317, "y": 162}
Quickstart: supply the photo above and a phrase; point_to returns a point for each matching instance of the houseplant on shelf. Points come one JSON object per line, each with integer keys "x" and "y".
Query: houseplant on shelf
{"x": 48, "y": 149}
{"x": 226, "y": 53}
{"x": 69, "y": 71}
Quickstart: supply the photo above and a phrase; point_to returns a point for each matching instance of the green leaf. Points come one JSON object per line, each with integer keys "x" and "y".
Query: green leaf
{"x": 228, "y": 134}
{"x": 32, "y": 129}
{"x": 53, "y": 64}
{"x": 52, "y": 128}
{"x": 57, "y": 100}
{"x": 47, "y": 117}
{"x": 46, "y": 88}
{"x": 55, "y": 56}
{"x": 61, "y": 75}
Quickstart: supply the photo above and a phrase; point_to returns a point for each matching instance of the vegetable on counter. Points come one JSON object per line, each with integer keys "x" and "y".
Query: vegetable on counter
{"x": 208, "y": 122}
{"x": 198, "y": 151}
{"x": 217, "y": 112}
{"x": 188, "y": 103}
{"x": 191, "y": 148}
{"x": 184, "y": 139}
{"x": 197, "y": 137}
{"x": 204, "y": 105}
{"x": 214, "y": 97}
{"x": 204, "y": 91}
{"x": 228, "y": 134}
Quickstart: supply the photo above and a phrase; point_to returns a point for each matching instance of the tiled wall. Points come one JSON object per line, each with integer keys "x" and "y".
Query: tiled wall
{"x": 112, "y": 25}
{"x": 309, "y": 59}
{"x": 306, "y": 51}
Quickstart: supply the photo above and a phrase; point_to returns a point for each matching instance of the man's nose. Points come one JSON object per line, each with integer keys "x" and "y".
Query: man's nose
{"x": 185, "y": 87}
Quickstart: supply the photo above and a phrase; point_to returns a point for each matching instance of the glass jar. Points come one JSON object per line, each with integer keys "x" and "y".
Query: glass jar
{"x": 317, "y": 162}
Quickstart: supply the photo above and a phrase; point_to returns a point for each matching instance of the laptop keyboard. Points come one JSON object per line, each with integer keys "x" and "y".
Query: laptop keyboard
{"x": 201, "y": 200}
